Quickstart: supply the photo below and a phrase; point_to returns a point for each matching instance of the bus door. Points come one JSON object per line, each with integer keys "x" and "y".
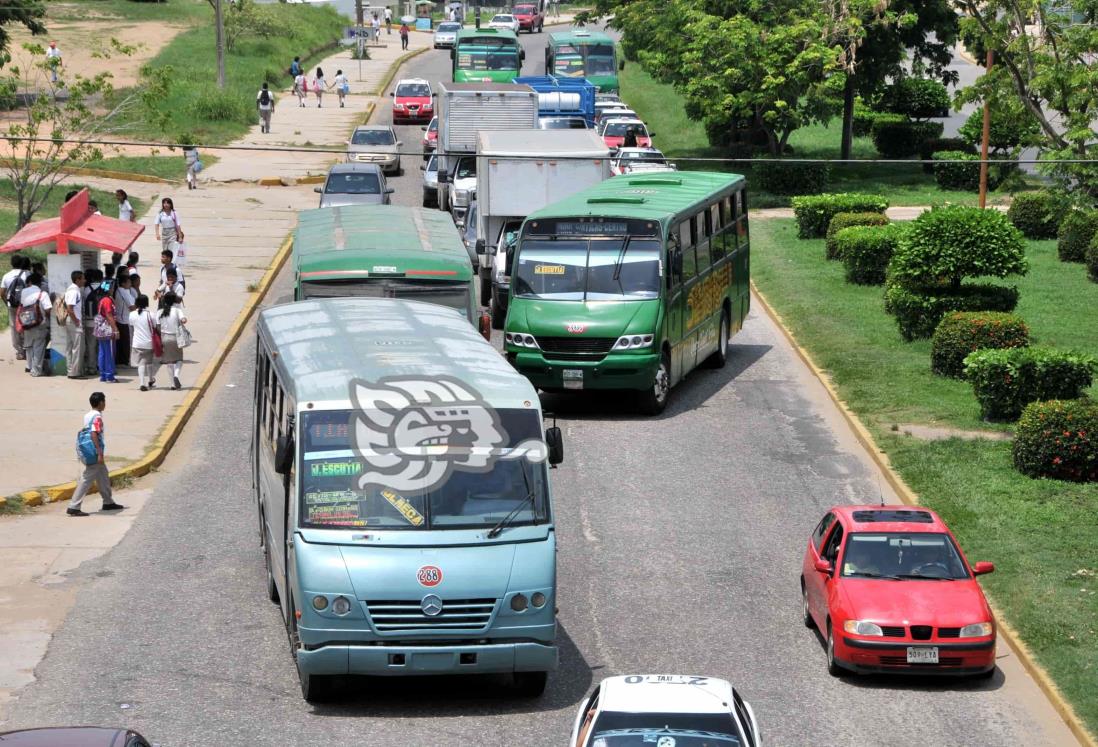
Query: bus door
{"x": 681, "y": 274}
{"x": 711, "y": 288}
{"x": 692, "y": 285}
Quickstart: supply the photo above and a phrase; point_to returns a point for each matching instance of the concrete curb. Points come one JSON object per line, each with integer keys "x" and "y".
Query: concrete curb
{"x": 392, "y": 71}
{"x": 909, "y": 497}
{"x": 171, "y": 432}
{"x": 108, "y": 174}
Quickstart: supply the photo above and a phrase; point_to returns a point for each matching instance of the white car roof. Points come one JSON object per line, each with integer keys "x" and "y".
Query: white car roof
{"x": 665, "y": 693}
{"x": 424, "y": 81}
{"x": 621, "y": 120}
{"x": 626, "y": 152}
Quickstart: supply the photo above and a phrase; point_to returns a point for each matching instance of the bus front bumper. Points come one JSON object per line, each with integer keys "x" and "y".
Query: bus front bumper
{"x": 615, "y": 371}
{"x": 395, "y": 661}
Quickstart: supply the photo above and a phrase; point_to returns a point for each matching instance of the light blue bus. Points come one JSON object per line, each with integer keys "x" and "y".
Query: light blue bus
{"x": 401, "y": 475}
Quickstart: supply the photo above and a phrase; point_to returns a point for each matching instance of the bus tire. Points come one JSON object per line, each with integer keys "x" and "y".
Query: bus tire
{"x": 315, "y": 688}
{"x": 530, "y": 684}
{"x": 720, "y": 356}
{"x": 499, "y": 316}
{"x": 272, "y": 587}
{"x": 654, "y": 399}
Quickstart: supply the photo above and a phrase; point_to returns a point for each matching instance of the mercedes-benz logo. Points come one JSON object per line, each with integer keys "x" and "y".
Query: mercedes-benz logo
{"x": 431, "y": 605}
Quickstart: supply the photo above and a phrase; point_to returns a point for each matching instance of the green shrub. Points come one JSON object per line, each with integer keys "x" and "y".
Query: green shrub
{"x": 1007, "y": 380}
{"x": 1058, "y": 439}
{"x": 1037, "y": 214}
{"x": 846, "y": 220}
{"x": 1012, "y": 126}
{"x": 949, "y": 243}
{"x": 866, "y": 250}
{"x": 918, "y": 311}
{"x": 863, "y": 120}
{"x": 814, "y": 213}
{"x": 964, "y": 332}
{"x": 1091, "y": 258}
{"x": 933, "y": 145}
{"x": 918, "y": 98}
{"x": 896, "y": 136}
{"x": 961, "y": 176}
{"x": 216, "y": 105}
{"x": 791, "y": 178}
{"x": 1077, "y": 230}
{"x": 928, "y": 131}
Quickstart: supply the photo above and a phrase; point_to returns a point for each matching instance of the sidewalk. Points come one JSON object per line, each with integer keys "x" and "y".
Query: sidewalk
{"x": 233, "y": 232}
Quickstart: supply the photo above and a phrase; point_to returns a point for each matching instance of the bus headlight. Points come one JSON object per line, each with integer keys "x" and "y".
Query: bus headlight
{"x": 320, "y": 602}
{"x": 521, "y": 340}
{"x": 341, "y": 605}
{"x": 538, "y": 599}
{"x": 633, "y": 342}
{"x": 518, "y": 602}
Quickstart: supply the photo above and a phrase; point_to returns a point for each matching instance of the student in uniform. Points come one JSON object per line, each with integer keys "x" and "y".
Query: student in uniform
{"x": 34, "y": 317}
{"x": 74, "y": 325}
{"x": 264, "y": 101}
{"x": 95, "y": 473}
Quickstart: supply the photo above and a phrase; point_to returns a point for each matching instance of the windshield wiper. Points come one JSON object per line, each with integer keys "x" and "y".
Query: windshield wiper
{"x": 923, "y": 578}
{"x": 867, "y": 574}
{"x": 529, "y": 498}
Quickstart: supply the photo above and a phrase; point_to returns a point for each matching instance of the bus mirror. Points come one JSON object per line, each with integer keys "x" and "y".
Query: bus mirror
{"x": 621, "y": 64}
{"x": 482, "y": 246}
{"x": 443, "y": 177}
{"x": 485, "y": 323}
{"x": 555, "y": 441}
{"x": 522, "y": 54}
{"x": 284, "y": 454}
{"x": 676, "y": 262}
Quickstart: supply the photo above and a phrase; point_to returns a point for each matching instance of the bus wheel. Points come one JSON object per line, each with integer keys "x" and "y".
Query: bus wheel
{"x": 530, "y": 684}
{"x": 720, "y": 355}
{"x": 315, "y": 688}
{"x": 654, "y": 399}
{"x": 272, "y": 588}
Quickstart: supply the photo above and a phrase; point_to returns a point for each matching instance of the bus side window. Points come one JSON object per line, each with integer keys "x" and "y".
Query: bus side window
{"x": 689, "y": 259}
{"x": 716, "y": 245}
{"x": 728, "y": 225}
{"x": 741, "y": 215}
{"x": 674, "y": 244}
{"x": 272, "y": 384}
{"x": 261, "y": 390}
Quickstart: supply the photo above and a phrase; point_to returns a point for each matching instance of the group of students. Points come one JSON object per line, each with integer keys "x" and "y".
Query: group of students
{"x": 302, "y": 86}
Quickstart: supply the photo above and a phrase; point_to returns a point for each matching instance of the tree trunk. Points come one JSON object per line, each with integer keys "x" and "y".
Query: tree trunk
{"x": 848, "y": 118}
{"x": 219, "y": 25}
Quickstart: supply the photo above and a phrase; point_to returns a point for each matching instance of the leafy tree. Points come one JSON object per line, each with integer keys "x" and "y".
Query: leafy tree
{"x": 248, "y": 18}
{"x": 27, "y": 12}
{"x": 1012, "y": 126}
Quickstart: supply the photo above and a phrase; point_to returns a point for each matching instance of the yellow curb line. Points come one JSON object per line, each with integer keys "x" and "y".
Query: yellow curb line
{"x": 368, "y": 115}
{"x": 909, "y": 497}
{"x": 108, "y": 174}
{"x": 392, "y": 71}
{"x": 171, "y": 432}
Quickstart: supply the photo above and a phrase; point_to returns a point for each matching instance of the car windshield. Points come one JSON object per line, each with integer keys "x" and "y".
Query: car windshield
{"x": 433, "y": 127}
{"x": 419, "y": 90}
{"x": 901, "y": 555}
{"x": 467, "y": 168}
{"x": 618, "y": 129}
{"x": 620, "y": 729}
{"x": 432, "y": 165}
{"x": 353, "y": 184}
{"x": 641, "y": 156}
{"x": 373, "y": 137}
{"x": 448, "y": 27}
{"x": 591, "y": 269}
{"x": 502, "y": 19}
{"x": 342, "y": 486}
{"x": 600, "y": 59}
{"x": 524, "y": 10}
{"x": 561, "y": 123}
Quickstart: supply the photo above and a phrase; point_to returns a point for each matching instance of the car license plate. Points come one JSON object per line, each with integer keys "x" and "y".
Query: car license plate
{"x": 573, "y": 378}
{"x": 922, "y": 655}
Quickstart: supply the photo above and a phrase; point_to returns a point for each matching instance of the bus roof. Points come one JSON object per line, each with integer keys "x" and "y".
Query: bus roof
{"x": 354, "y": 239}
{"x": 655, "y": 196}
{"x": 324, "y": 344}
{"x": 465, "y": 34}
{"x": 579, "y": 37}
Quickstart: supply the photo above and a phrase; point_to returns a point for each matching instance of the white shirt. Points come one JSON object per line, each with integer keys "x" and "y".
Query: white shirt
{"x": 125, "y": 211}
{"x": 53, "y": 52}
{"x": 10, "y": 276}
{"x": 142, "y": 323}
{"x": 270, "y": 104}
{"x": 339, "y": 81}
{"x": 301, "y": 82}
{"x": 74, "y": 299}
{"x": 124, "y": 299}
{"x": 388, "y": 14}
{"x": 34, "y": 293}
{"x": 177, "y": 289}
{"x": 167, "y": 220}
{"x": 164, "y": 274}
{"x": 169, "y": 325}
{"x": 376, "y": 23}
{"x": 320, "y": 84}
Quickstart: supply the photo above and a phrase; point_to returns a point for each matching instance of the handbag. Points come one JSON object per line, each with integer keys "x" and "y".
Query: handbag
{"x": 183, "y": 336}
{"x": 102, "y": 328}
{"x": 197, "y": 166}
{"x": 157, "y": 340}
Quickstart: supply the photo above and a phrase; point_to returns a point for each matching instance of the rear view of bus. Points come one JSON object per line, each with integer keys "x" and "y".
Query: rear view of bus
{"x": 402, "y": 477}
{"x": 486, "y": 56}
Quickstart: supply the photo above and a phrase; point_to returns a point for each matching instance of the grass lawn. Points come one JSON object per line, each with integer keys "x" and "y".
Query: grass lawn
{"x": 165, "y": 167}
{"x": 1039, "y": 533}
{"x": 680, "y": 137}
{"x": 175, "y": 11}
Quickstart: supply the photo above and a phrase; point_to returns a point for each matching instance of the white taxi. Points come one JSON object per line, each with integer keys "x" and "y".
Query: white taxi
{"x": 664, "y": 710}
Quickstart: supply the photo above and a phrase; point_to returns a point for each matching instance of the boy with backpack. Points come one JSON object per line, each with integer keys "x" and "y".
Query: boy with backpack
{"x": 11, "y": 291}
{"x": 265, "y": 102}
{"x": 91, "y": 450}
{"x": 34, "y": 319}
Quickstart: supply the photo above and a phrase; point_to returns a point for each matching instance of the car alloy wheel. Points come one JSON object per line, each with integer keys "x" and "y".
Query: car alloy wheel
{"x": 833, "y": 667}
{"x": 805, "y": 614}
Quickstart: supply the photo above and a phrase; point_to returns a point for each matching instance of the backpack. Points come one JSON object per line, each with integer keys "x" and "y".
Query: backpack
{"x": 15, "y": 290}
{"x": 85, "y": 446}
{"x": 265, "y": 97}
{"x": 31, "y": 316}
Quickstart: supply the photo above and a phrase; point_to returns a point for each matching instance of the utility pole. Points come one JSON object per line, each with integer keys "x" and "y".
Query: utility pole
{"x": 984, "y": 143}
{"x": 360, "y": 20}
{"x": 219, "y": 23}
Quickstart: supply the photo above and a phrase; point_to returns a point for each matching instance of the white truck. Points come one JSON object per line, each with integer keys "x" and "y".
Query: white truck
{"x": 518, "y": 173}
{"x": 465, "y": 109}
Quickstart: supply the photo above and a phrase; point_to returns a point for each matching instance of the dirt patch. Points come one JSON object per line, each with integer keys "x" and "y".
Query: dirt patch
{"x": 940, "y": 433}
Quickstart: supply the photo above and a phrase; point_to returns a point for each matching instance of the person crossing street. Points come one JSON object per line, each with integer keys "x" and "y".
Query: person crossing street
{"x": 95, "y": 473}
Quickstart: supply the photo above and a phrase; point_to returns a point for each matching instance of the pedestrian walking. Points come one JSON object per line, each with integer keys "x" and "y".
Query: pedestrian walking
{"x": 375, "y": 25}
{"x": 125, "y": 209}
{"x": 11, "y": 288}
{"x": 146, "y": 341}
{"x": 34, "y": 319}
{"x": 404, "y": 31}
{"x": 74, "y": 325}
{"x": 166, "y": 266}
{"x": 295, "y": 67}
{"x": 264, "y": 101}
{"x": 168, "y": 231}
{"x": 53, "y": 60}
{"x": 171, "y": 322}
{"x": 94, "y": 461}
{"x": 194, "y": 165}
{"x": 342, "y": 86}
{"x": 301, "y": 88}
{"x": 388, "y": 21}
{"x": 105, "y": 331}
{"x": 171, "y": 284}
{"x": 90, "y": 293}
{"x": 125, "y": 300}
{"x": 319, "y": 85}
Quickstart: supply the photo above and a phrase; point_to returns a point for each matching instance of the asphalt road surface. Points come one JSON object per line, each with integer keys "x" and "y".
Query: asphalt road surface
{"x": 680, "y": 546}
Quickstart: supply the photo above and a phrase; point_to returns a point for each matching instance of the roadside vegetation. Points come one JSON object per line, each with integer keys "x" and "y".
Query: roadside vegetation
{"x": 162, "y": 166}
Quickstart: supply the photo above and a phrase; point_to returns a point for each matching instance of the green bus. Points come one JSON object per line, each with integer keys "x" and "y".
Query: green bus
{"x": 383, "y": 251}
{"x": 583, "y": 54}
{"x": 630, "y": 284}
{"x": 486, "y": 56}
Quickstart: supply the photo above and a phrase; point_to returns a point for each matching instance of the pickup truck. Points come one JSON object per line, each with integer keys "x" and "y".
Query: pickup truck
{"x": 530, "y": 16}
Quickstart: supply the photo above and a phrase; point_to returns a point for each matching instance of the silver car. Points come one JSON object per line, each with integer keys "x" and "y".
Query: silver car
{"x": 354, "y": 184}
{"x": 430, "y": 182}
{"x": 375, "y": 144}
{"x": 446, "y": 34}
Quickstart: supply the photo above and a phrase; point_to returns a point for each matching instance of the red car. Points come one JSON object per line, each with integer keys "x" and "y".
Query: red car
{"x": 430, "y": 137}
{"x": 891, "y": 591}
{"x": 413, "y": 101}
{"x": 613, "y": 133}
{"x": 530, "y": 17}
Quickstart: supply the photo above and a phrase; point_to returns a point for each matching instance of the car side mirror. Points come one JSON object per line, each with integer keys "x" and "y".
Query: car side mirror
{"x": 392, "y": 93}
{"x": 555, "y": 441}
{"x": 434, "y": 95}
{"x": 676, "y": 262}
{"x": 389, "y": 190}
{"x": 422, "y": 168}
{"x": 347, "y": 142}
{"x": 481, "y": 246}
{"x": 284, "y": 454}
{"x": 822, "y": 566}
{"x": 650, "y": 135}
{"x": 423, "y": 128}
{"x": 443, "y": 177}
{"x": 983, "y": 567}
{"x": 318, "y": 190}
{"x": 485, "y": 324}
{"x": 522, "y": 54}
{"x": 399, "y": 143}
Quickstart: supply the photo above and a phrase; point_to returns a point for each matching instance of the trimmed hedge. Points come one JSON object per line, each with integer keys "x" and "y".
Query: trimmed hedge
{"x": 866, "y": 251}
{"x": 1058, "y": 439}
{"x": 919, "y": 311}
{"x": 1005, "y": 381}
{"x": 1091, "y": 259}
{"x": 916, "y": 97}
{"x": 786, "y": 178}
{"x": 933, "y": 145}
{"x": 863, "y": 120}
{"x": 1076, "y": 231}
{"x": 814, "y": 213}
{"x": 960, "y": 176}
{"x": 1036, "y": 214}
{"x": 964, "y": 332}
{"x": 895, "y": 136}
{"x": 846, "y": 220}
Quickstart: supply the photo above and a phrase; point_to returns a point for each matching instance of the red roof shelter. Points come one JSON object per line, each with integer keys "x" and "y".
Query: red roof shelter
{"x": 76, "y": 226}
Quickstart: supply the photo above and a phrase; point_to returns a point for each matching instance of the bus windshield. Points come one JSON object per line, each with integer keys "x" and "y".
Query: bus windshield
{"x": 482, "y": 56}
{"x": 333, "y": 497}
{"x": 454, "y": 295}
{"x": 589, "y": 269}
{"x": 584, "y": 59}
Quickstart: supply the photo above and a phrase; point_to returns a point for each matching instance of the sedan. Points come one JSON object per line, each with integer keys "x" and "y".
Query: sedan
{"x": 375, "y": 144}
{"x": 430, "y": 182}
{"x": 354, "y": 184}
{"x": 504, "y": 21}
{"x": 430, "y": 137}
{"x": 631, "y": 160}
{"x": 73, "y": 736}
{"x": 446, "y": 34}
{"x": 615, "y": 133}
{"x": 413, "y": 101}
{"x": 890, "y": 591}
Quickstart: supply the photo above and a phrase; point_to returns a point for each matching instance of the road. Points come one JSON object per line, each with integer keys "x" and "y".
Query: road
{"x": 680, "y": 544}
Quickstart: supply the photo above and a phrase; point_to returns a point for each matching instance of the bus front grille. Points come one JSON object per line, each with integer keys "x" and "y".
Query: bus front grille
{"x": 575, "y": 347}
{"x": 395, "y": 615}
